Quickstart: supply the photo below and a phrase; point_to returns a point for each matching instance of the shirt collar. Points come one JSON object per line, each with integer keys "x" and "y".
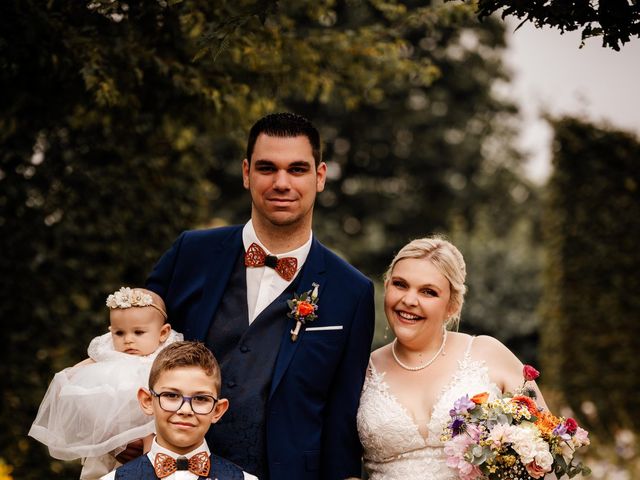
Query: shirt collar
{"x": 301, "y": 253}
{"x": 155, "y": 449}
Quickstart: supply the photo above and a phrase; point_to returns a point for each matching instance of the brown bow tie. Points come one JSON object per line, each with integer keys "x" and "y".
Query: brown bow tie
{"x": 256, "y": 257}
{"x": 199, "y": 464}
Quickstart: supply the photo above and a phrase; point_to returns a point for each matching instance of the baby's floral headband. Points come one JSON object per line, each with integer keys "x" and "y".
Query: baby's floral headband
{"x": 128, "y": 297}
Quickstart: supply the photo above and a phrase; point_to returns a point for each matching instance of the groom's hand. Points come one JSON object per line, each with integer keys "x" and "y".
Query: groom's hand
{"x": 133, "y": 450}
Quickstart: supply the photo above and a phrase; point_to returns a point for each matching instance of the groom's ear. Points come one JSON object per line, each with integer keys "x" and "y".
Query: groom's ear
{"x": 245, "y": 174}
{"x": 145, "y": 400}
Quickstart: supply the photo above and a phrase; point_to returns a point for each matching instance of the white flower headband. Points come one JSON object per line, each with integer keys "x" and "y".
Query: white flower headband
{"x": 127, "y": 297}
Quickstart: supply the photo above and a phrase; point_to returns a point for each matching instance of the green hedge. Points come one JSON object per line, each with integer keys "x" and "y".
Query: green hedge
{"x": 591, "y": 327}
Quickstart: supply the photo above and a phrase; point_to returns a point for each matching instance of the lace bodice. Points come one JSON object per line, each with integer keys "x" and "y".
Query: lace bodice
{"x": 394, "y": 449}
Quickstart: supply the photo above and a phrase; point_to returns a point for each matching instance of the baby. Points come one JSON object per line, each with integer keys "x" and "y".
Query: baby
{"x": 90, "y": 410}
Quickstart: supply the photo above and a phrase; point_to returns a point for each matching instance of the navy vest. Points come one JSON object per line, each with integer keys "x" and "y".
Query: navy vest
{"x": 141, "y": 469}
{"x": 247, "y": 356}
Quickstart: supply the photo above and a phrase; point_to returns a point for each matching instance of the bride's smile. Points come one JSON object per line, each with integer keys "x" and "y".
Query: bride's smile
{"x": 417, "y": 303}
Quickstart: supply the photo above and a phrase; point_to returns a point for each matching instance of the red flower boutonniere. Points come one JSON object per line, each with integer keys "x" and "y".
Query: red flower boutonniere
{"x": 303, "y": 309}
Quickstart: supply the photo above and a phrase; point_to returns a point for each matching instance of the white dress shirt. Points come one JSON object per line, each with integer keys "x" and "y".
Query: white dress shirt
{"x": 178, "y": 474}
{"x": 264, "y": 284}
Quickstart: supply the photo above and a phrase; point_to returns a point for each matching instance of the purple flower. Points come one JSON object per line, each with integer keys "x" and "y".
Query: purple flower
{"x": 457, "y": 427}
{"x": 462, "y": 406}
{"x": 561, "y": 431}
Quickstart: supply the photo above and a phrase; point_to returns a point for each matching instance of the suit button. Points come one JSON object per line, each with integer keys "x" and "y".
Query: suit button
{"x": 244, "y": 348}
{"x": 231, "y": 384}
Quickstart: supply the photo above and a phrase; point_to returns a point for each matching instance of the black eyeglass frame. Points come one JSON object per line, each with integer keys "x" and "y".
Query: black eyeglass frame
{"x": 184, "y": 399}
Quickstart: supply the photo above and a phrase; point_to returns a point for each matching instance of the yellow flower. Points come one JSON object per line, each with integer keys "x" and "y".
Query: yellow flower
{"x": 5, "y": 470}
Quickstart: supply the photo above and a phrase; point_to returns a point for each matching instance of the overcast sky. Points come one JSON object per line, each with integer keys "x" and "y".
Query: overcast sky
{"x": 551, "y": 73}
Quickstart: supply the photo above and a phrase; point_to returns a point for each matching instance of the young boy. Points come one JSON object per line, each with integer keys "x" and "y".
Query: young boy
{"x": 184, "y": 384}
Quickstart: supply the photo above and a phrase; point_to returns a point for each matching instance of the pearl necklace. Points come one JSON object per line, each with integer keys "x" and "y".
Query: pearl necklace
{"x": 424, "y": 365}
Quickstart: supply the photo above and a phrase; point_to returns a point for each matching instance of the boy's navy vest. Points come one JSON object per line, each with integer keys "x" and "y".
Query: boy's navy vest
{"x": 247, "y": 356}
{"x": 141, "y": 469}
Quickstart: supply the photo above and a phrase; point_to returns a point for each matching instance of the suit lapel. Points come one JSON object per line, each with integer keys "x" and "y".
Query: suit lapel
{"x": 312, "y": 271}
{"x": 222, "y": 261}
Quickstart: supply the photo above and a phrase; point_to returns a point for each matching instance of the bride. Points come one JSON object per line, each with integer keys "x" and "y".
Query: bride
{"x": 413, "y": 382}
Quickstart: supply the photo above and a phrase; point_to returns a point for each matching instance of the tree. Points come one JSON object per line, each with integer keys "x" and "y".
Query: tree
{"x": 616, "y": 21}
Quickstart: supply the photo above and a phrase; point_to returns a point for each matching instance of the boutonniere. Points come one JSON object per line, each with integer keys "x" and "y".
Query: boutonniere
{"x": 303, "y": 309}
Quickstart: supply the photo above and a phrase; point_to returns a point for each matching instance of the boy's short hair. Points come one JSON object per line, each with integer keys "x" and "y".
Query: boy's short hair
{"x": 185, "y": 354}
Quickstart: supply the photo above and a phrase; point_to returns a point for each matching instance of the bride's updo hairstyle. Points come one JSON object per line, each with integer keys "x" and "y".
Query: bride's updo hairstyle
{"x": 449, "y": 262}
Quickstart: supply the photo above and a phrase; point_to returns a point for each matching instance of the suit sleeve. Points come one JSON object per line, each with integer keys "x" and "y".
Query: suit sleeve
{"x": 160, "y": 278}
{"x": 341, "y": 450}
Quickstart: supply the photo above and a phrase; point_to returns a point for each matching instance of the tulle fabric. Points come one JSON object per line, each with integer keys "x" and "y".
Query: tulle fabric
{"x": 92, "y": 410}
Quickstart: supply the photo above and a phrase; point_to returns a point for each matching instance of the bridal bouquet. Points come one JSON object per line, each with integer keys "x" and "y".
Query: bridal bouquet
{"x": 511, "y": 438}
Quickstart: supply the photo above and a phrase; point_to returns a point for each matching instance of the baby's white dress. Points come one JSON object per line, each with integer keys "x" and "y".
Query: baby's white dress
{"x": 394, "y": 448}
{"x": 92, "y": 411}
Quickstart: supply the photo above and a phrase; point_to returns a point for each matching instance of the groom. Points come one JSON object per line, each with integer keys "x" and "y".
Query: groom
{"x": 293, "y": 399}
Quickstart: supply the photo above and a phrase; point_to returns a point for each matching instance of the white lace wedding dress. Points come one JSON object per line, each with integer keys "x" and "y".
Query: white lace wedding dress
{"x": 394, "y": 448}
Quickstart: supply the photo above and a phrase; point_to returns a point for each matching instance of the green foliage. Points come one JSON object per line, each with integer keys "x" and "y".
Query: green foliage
{"x": 400, "y": 165}
{"x": 592, "y": 224}
{"x": 616, "y": 21}
{"x": 504, "y": 267}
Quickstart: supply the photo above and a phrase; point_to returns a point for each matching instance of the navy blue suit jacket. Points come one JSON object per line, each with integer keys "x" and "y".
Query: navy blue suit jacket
{"x": 316, "y": 383}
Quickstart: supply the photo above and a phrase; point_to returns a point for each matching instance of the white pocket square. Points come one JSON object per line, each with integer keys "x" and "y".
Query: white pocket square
{"x": 329, "y": 327}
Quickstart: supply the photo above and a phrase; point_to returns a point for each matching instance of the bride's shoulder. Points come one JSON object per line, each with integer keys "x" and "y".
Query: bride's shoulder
{"x": 381, "y": 357}
{"x": 496, "y": 355}
{"x": 490, "y": 347}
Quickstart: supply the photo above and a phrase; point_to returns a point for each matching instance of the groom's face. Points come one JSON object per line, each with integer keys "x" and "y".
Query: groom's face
{"x": 283, "y": 180}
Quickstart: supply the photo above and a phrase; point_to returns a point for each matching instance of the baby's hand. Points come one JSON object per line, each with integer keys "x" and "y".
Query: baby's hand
{"x": 133, "y": 450}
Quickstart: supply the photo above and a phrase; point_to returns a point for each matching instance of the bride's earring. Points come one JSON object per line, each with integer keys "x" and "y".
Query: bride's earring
{"x": 386, "y": 332}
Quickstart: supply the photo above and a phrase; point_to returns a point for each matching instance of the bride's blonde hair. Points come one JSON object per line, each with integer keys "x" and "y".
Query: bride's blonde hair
{"x": 449, "y": 262}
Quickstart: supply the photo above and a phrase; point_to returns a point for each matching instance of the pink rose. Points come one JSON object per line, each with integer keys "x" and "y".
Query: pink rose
{"x": 530, "y": 373}
{"x": 581, "y": 437}
{"x": 534, "y": 470}
{"x": 571, "y": 425}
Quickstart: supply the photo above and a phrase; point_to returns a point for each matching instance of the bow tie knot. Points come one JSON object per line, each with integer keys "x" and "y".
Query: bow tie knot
{"x": 165, "y": 465}
{"x": 286, "y": 267}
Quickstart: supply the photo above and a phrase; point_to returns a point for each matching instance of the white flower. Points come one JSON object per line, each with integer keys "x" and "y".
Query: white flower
{"x": 524, "y": 439}
{"x": 127, "y": 298}
{"x": 543, "y": 457}
{"x": 499, "y": 435}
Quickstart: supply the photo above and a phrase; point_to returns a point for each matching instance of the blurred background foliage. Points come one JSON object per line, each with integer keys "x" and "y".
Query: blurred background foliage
{"x": 124, "y": 123}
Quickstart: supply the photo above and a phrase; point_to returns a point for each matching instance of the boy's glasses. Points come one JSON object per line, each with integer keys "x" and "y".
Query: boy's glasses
{"x": 172, "y": 402}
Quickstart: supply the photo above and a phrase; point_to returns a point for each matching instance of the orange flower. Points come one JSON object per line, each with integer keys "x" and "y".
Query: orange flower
{"x": 304, "y": 309}
{"x": 527, "y": 402}
{"x": 546, "y": 422}
{"x": 480, "y": 398}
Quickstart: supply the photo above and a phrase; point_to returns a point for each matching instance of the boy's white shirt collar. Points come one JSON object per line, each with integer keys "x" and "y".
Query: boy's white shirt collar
{"x": 156, "y": 448}
{"x": 180, "y": 474}
{"x": 264, "y": 285}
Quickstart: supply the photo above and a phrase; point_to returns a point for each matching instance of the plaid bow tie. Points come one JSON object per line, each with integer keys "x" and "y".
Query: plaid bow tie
{"x": 199, "y": 464}
{"x": 256, "y": 257}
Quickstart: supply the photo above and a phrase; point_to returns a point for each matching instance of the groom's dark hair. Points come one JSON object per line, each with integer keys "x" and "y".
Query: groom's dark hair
{"x": 285, "y": 125}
